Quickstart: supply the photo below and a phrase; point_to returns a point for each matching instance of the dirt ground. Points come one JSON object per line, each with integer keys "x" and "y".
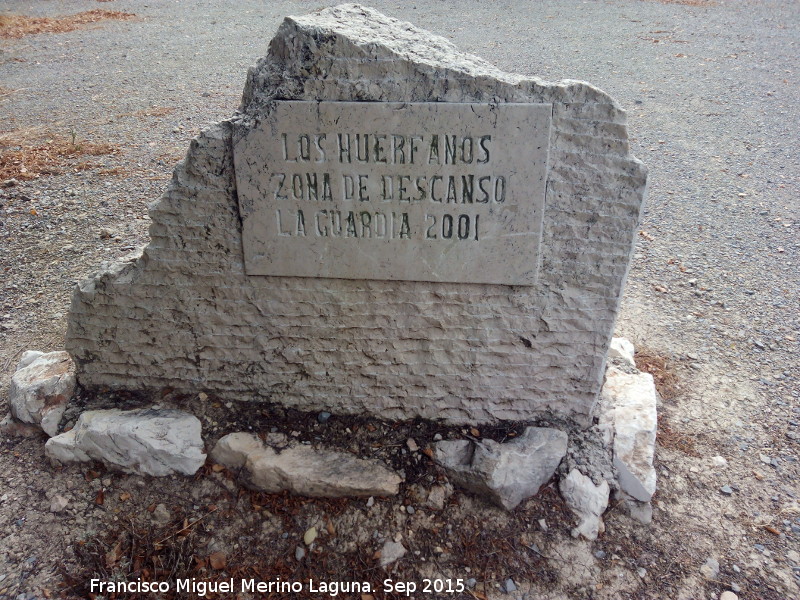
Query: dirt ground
{"x": 95, "y": 117}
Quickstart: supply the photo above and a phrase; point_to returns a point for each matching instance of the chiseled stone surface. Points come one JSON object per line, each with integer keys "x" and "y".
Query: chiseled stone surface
{"x": 444, "y": 192}
{"x": 41, "y": 388}
{"x": 508, "y": 473}
{"x": 147, "y": 441}
{"x": 304, "y": 470}
{"x": 186, "y": 315}
{"x": 628, "y": 405}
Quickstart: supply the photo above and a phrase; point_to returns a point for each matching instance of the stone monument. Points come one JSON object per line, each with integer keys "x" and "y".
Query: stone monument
{"x": 386, "y": 226}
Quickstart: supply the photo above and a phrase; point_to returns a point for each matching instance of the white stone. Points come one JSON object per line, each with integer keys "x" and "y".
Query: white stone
{"x": 710, "y": 569}
{"x": 233, "y": 449}
{"x": 628, "y": 404}
{"x": 147, "y": 441}
{"x": 719, "y": 461}
{"x": 28, "y": 357}
{"x": 587, "y": 500}
{"x": 623, "y": 349}
{"x": 391, "y": 552}
{"x": 505, "y": 474}
{"x": 437, "y": 496}
{"x": 728, "y": 595}
{"x": 58, "y": 504}
{"x": 304, "y": 470}
{"x": 474, "y": 353}
{"x": 41, "y": 389}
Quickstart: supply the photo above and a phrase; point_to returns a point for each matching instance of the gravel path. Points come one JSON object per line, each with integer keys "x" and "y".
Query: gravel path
{"x": 712, "y": 98}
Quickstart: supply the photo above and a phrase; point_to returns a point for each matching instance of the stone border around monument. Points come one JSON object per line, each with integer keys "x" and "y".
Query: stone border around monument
{"x": 185, "y": 313}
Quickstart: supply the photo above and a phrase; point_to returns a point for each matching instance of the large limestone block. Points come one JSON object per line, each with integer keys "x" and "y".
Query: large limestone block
{"x": 628, "y": 405}
{"x": 187, "y": 313}
{"x": 148, "y": 441}
{"x": 304, "y": 470}
{"x": 508, "y": 473}
{"x": 41, "y": 389}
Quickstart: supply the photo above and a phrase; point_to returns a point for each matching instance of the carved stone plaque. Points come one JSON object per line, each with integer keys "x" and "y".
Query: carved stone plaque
{"x": 444, "y": 192}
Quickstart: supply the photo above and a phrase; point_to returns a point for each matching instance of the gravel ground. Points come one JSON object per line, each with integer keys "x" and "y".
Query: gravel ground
{"x": 711, "y": 90}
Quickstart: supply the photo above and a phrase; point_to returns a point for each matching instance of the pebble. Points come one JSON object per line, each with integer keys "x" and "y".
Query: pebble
{"x": 641, "y": 572}
{"x": 600, "y": 554}
{"x": 543, "y": 524}
{"x": 728, "y": 596}
{"x": 726, "y": 489}
{"x": 437, "y": 437}
{"x": 299, "y": 553}
{"x": 710, "y": 569}
{"x": 370, "y": 502}
{"x": 735, "y": 588}
{"x": 509, "y": 586}
{"x": 323, "y": 417}
{"x": 310, "y": 536}
{"x": 471, "y": 583}
{"x": 410, "y": 509}
{"x": 719, "y": 461}
{"x": 412, "y": 445}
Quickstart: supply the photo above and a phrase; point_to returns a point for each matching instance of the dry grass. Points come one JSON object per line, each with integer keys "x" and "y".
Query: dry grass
{"x": 17, "y": 26}
{"x": 23, "y": 158}
{"x": 661, "y": 369}
{"x": 675, "y": 440}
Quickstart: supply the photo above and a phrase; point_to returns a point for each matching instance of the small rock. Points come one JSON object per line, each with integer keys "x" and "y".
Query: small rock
{"x": 728, "y": 596}
{"x": 437, "y": 437}
{"x": 622, "y": 348}
{"x": 410, "y": 509}
{"x": 323, "y": 417}
{"x": 309, "y": 536}
{"x": 147, "y": 441}
{"x": 233, "y": 449}
{"x": 412, "y": 445}
{"x": 726, "y": 489}
{"x": 587, "y": 500}
{"x": 161, "y": 515}
{"x": 299, "y": 553}
{"x": 58, "y": 504}
{"x": 370, "y": 502}
{"x": 506, "y": 474}
{"x": 41, "y": 389}
{"x": 543, "y": 524}
{"x": 735, "y": 587}
{"x": 600, "y": 554}
{"x": 27, "y": 358}
{"x": 719, "y": 461}
{"x": 471, "y": 583}
{"x": 391, "y": 552}
{"x": 710, "y": 570}
{"x": 437, "y": 497}
{"x": 641, "y": 572}
{"x": 509, "y": 586}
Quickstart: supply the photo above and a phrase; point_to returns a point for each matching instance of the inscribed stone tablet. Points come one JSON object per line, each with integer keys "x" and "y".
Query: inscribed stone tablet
{"x": 445, "y": 192}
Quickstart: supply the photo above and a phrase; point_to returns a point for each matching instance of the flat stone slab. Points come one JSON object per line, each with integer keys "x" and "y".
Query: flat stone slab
{"x": 421, "y": 191}
{"x": 41, "y": 388}
{"x": 303, "y": 470}
{"x": 505, "y": 474}
{"x": 149, "y": 441}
